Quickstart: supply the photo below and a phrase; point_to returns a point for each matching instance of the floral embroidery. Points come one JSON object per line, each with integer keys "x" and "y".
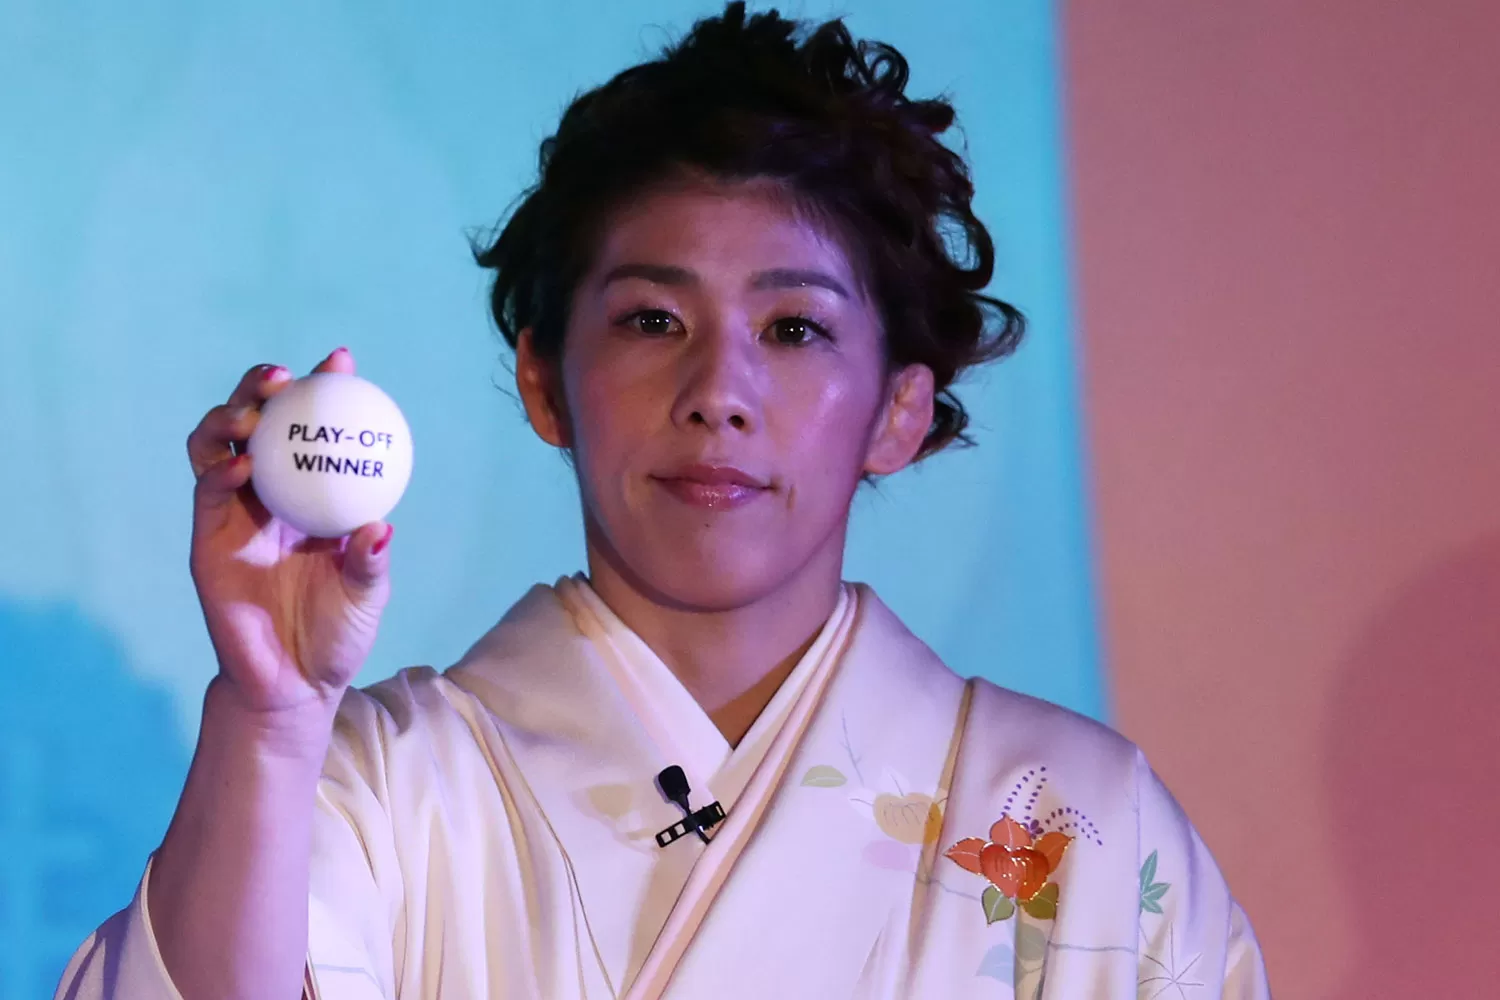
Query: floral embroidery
{"x": 1023, "y": 801}
{"x": 1151, "y": 890}
{"x": 1018, "y": 865}
{"x": 907, "y": 820}
{"x": 824, "y": 776}
{"x": 913, "y": 818}
{"x": 1161, "y": 967}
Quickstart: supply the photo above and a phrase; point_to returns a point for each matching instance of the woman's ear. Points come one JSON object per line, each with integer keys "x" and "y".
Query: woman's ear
{"x": 904, "y": 421}
{"x": 540, "y": 384}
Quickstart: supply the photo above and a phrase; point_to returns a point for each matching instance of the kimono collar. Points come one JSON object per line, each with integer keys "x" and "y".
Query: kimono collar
{"x": 667, "y": 710}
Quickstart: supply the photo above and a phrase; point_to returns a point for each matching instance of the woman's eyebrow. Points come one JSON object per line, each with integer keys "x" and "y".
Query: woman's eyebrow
{"x": 792, "y": 277}
{"x": 776, "y": 277}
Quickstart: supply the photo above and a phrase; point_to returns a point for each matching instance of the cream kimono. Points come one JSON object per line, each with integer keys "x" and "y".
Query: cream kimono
{"x": 891, "y": 831}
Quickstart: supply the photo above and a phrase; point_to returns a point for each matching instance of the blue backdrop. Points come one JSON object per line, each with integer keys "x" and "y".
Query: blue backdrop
{"x": 187, "y": 189}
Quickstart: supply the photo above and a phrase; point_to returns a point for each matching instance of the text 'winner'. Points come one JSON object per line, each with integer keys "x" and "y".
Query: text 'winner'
{"x": 331, "y": 452}
{"x": 340, "y": 464}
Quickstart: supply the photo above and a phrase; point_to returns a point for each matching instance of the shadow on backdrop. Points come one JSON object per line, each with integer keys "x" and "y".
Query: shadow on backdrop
{"x": 91, "y": 764}
{"x": 1413, "y": 757}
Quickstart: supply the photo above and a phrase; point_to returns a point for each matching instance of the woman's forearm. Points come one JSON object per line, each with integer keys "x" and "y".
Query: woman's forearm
{"x": 228, "y": 887}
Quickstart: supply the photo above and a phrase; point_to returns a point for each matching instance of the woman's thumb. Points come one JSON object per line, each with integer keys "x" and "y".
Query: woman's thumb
{"x": 367, "y": 557}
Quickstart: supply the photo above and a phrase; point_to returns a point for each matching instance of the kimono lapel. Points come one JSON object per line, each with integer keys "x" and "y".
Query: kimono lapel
{"x": 578, "y": 747}
{"x": 579, "y": 767}
{"x": 718, "y": 860}
{"x": 827, "y": 872}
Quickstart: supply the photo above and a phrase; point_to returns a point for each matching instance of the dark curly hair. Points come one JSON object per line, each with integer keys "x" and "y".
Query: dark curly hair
{"x": 826, "y": 118}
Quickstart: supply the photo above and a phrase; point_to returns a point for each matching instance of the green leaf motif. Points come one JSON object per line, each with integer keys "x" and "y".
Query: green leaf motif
{"x": 1151, "y": 896}
{"x": 996, "y": 905}
{"x": 1031, "y": 944}
{"x": 823, "y": 776}
{"x": 1043, "y": 906}
{"x": 1151, "y": 890}
{"x": 1148, "y": 873}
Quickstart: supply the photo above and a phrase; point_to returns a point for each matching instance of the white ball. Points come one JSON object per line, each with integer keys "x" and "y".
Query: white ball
{"x": 331, "y": 452}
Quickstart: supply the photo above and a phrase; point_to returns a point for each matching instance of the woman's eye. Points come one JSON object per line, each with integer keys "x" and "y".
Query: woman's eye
{"x": 651, "y": 322}
{"x": 795, "y": 331}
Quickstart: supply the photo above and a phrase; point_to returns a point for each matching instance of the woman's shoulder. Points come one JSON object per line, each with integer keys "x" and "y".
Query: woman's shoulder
{"x": 1027, "y": 751}
{"x": 1045, "y": 727}
{"x": 409, "y": 711}
{"x": 1011, "y": 738}
{"x": 1108, "y": 833}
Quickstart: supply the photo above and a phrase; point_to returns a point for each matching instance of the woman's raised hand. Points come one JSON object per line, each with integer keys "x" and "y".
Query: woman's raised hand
{"x": 292, "y": 618}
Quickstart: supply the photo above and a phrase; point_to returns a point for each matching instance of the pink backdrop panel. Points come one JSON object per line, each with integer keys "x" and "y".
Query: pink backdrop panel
{"x": 1288, "y": 233}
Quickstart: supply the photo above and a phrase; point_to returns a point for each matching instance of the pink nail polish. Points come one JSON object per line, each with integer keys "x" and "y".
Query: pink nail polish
{"x": 379, "y": 547}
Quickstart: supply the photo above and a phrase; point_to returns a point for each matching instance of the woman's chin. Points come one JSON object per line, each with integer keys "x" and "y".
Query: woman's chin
{"x": 707, "y": 584}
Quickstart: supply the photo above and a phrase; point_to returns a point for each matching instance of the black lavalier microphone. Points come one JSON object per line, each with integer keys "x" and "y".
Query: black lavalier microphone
{"x": 674, "y": 785}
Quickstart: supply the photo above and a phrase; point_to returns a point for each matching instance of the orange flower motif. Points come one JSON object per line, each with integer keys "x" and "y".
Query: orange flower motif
{"x": 1014, "y": 862}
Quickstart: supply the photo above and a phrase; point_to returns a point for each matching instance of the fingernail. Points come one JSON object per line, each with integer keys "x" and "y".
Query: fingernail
{"x": 339, "y": 350}
{"x": 379, "y": 547}
{"x": 272, "y": 373}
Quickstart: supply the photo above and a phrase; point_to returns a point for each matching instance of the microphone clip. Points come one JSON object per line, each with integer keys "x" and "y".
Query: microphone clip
{"x": 697, "y": 822}
{"x": 674, "y": 785}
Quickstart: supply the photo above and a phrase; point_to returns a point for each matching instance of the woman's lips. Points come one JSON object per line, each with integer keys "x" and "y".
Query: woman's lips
{"x": 714, "y": 487}
{"x": 712, "y": 496}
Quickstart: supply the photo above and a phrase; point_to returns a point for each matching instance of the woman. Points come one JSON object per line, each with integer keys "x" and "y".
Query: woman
{"x": 743, "y": 284}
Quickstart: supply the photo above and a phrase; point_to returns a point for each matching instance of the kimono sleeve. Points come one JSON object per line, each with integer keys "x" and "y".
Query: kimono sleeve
{"x": 355, "y": 893}
{"x": 1193, "y": 933}
{"x": 120, "y": 959}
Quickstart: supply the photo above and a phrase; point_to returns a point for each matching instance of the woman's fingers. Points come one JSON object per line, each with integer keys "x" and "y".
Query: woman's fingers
{"x": 366, "y": 557}
{"x": 213, "y": 442}
{"x": 210, "y": 442}
{"x": 222, "y": 481}
{"x": 223, "y": 427}
{"x": 339, "y": 361}
{"x": 259, "y": 384}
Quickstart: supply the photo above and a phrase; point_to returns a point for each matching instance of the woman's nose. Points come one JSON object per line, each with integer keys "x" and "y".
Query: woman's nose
{"x": 718, "y": 384}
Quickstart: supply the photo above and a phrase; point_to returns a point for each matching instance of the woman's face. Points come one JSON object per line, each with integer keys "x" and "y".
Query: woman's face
{"x": 722, "y": 388}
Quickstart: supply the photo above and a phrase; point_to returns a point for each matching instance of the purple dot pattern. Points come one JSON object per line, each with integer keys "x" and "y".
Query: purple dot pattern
{"x": 1027, "y": 792}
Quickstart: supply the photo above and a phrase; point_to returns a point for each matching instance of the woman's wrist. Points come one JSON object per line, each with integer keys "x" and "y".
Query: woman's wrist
{"x": 298, "y": 733}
